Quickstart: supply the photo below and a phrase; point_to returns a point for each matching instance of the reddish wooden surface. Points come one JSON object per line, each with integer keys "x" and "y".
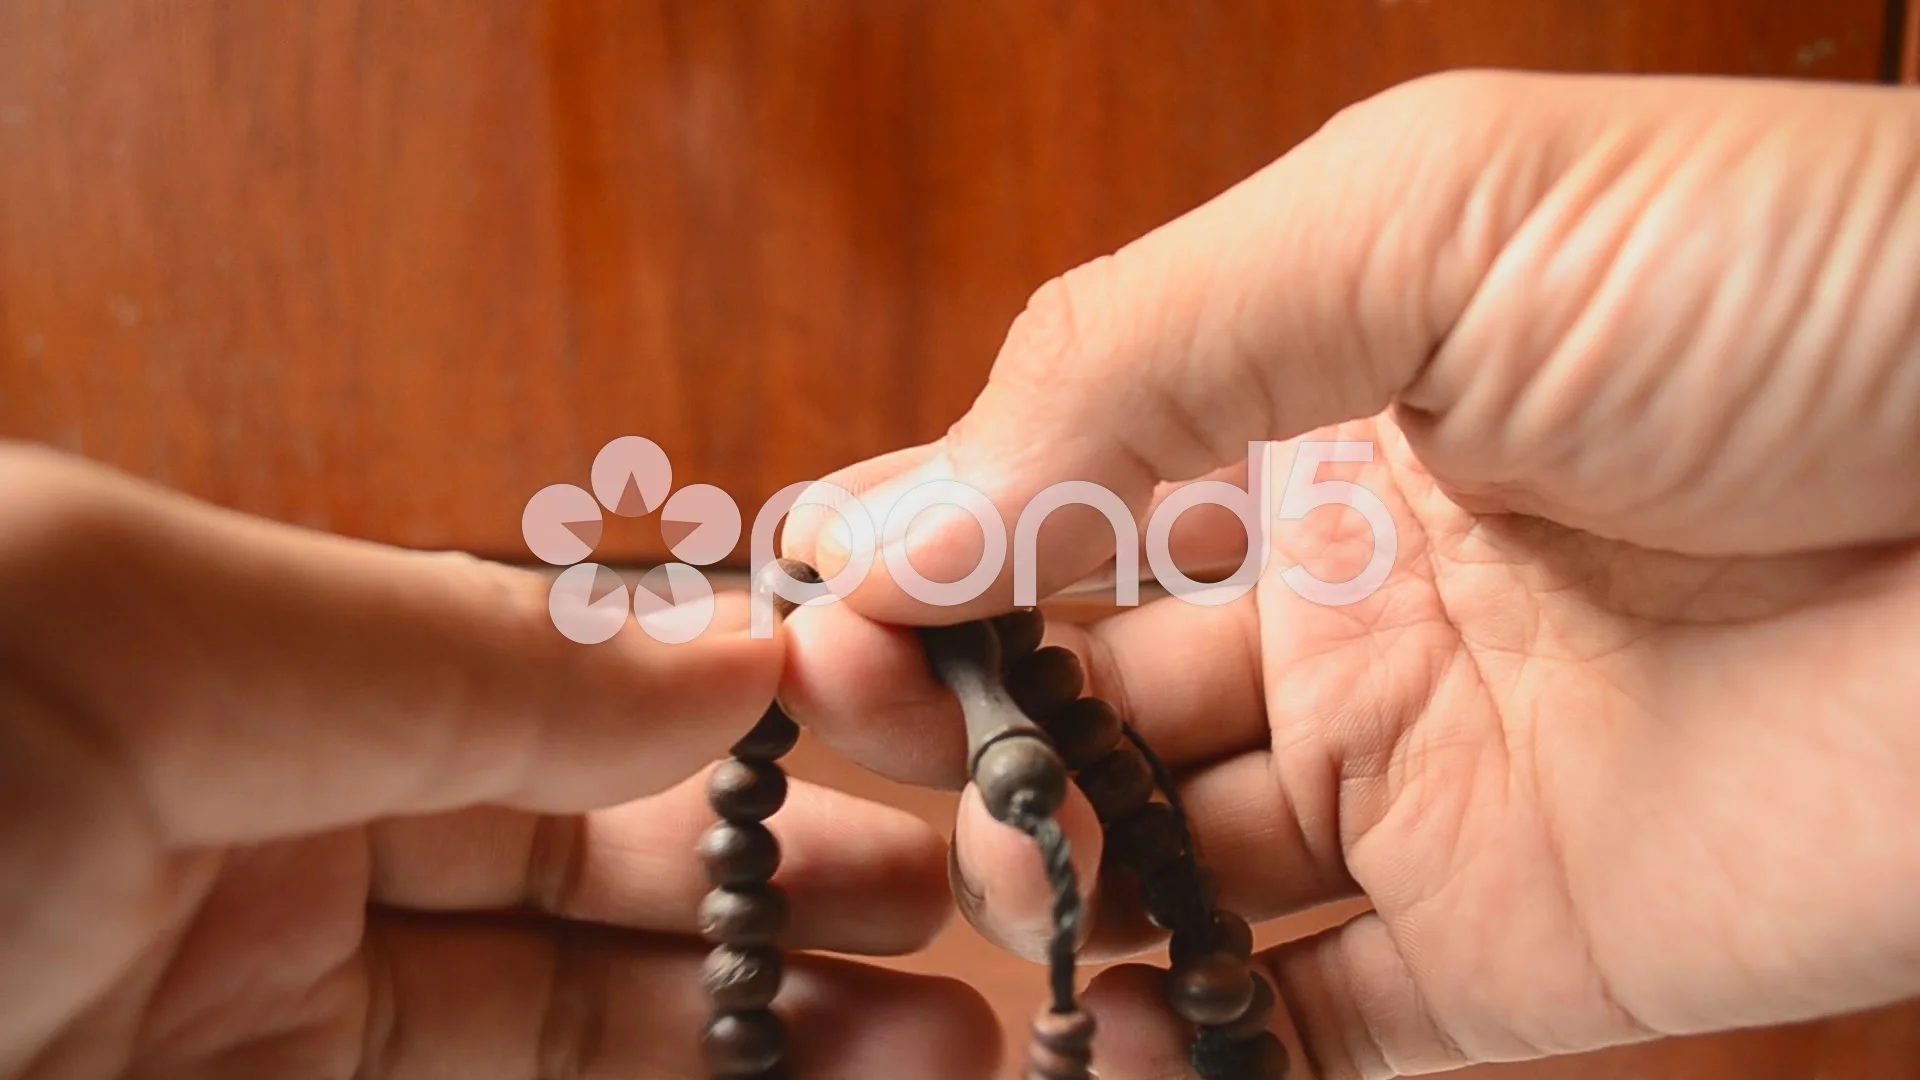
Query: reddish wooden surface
{"x": 1910, "y": 45}
{"x": 388, "y": 268}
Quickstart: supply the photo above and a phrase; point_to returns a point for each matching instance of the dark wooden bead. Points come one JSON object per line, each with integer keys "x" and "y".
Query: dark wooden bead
{"x": 1265, "y": 1057}
{"x": 745, "y": 1043}
{"x": 742, "y": 978}
{"x": 1211, "y": 989}
{"x": 743, "y": 791}
{"x": 1214, "y": 1056}
{"x": 770, "y": 739}
{"x": 739, "y": 853}
{"x": 1258, "y": 1015}
{"x": 1020, "y": 773}
{"x": 1180, "y": 896}
{"x": 1020, "y": 633}
{"x": 1208, "y": 884}
{"x": 1044, "y": 681}
{"x": 799, "y": 571}
{"x": 756, "y": 915}
{"x": 1118, "y": 783}
{"x": 1224, "y": 932}
{"x": 1083, "y": 731}
{"x": 1045, "y": 1064}
{"x": 792, "y": 568}
{"x": 1062, "y": 1046}
{"x": 1070, "y": 1032}
{"x": 1147, "y": 840}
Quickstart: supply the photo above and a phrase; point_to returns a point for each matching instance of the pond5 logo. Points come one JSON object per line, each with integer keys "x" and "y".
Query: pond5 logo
{"x": 631, "y": 477}
{"x": 674, "y": 603}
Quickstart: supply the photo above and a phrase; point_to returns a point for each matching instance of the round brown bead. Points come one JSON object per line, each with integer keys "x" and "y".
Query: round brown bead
{"x": 1146, "y": 840}
{"x": 1070, "y": 1032}
{"x": 1062, "y": 1046}
{"x": 1211, "y": 989}
{"x": 770, "y": 739}
{"x": 1180, "y": 896}
{"x": 1020, "y": 633}
{"x": 744, "y": 791}
{"x": 1118, "y": 783}
{"x": 739, "y": 853}
{"x": 756, "y": 915}
{"x": 744, "y": 1043}
{"x": 1046, "y": 1064}
{"x": 1225, "y": 932}
{"x": 793, "y": 568}
{"x": 1044, "y": 681}
{"x": 1020, "y": 773}
{"x": 1258, "y": 1014}
{"x": 1265, "y": 1057}
{"x": 1083, "y": 730}
{"x": 1208, "y": 884}
{"x": 742, "y": 978}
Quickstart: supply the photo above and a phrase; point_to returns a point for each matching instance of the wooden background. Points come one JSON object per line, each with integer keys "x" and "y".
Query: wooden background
{"x": 386, "y": 267}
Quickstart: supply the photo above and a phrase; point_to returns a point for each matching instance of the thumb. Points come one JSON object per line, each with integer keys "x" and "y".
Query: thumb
{"x": 257, "y": 681}
{"x": 1309, "y": 294}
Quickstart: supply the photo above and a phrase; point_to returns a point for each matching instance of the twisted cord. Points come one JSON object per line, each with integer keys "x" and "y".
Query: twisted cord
{"x": 1188, "y": 916}
{"x": 1163, "y": 779}
{"x": 1057, "y": 857}
{"x": 1213, "y": 1055}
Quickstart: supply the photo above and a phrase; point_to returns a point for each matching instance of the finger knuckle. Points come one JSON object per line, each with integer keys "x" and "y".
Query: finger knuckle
{"x": 1436, "y": 105}
{"x": 55, "y": 515}
{"x": 1065, "y": 330}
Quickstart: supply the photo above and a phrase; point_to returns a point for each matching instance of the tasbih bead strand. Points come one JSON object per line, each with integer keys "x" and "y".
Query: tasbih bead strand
{"x": 1210, "y": 982}
{"x": 1020, "y": 632}
{"x": 1061, "y": 1047}
{"x": 1028, "y": 730}
{"x": 745, "y": 913}
{"x": 1022, "y": 782}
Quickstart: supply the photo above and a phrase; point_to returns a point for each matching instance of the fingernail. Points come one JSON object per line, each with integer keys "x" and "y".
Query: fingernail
{"x": 1026, "y": 934}
{"x": 822, "y": 513}
{"x": 833, "y": 546}
{"x": 941, "y": 542}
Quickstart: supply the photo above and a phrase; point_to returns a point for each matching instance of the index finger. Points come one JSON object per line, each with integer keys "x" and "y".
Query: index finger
{"x": 249, "y": 679}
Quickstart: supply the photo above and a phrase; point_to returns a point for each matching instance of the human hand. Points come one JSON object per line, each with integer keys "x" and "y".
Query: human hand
{"x": 278, "y": 804}
{"x": 1624, "y": 745}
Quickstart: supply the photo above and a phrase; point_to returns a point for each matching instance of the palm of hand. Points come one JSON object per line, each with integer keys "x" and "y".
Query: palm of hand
{"x": 248, "y": 961}
{"x": 280, "y": 959}
{"x": 1594, "y": 792}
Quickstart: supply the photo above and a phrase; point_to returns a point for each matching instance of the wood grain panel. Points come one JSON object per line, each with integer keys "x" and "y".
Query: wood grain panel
{"x": 296, "y": 258}
{"x": 386, "y": 268}
{"x": 1910, "y": 38}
